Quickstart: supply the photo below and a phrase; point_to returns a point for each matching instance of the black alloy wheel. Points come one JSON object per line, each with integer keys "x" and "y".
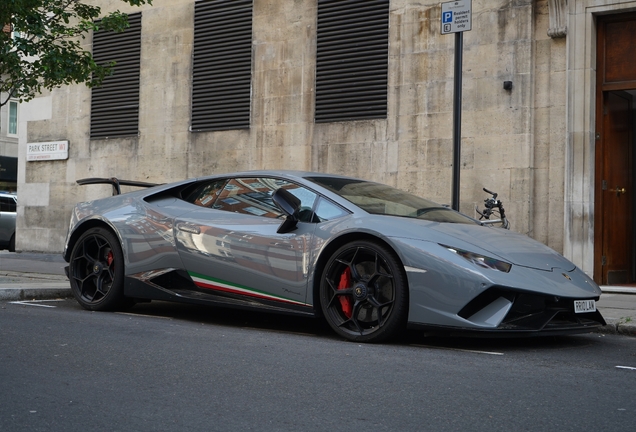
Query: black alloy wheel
{"x": 96, "y": 271}
{"x": 363, "y": 293}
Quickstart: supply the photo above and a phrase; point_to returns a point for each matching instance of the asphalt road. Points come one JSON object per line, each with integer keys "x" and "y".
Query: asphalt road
{"x": 167, "y": 367}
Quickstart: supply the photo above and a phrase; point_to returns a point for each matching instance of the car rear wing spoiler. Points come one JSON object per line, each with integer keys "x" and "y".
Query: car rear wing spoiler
{"x": 115, "y": 183}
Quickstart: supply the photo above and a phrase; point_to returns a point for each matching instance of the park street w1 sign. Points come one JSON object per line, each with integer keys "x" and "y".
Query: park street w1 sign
{"x": 457, "y": 16}
{"x": 45, "y": 151}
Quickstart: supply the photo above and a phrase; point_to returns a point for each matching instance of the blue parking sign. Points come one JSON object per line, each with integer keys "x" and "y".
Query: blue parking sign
{"x": 447, "y": 17}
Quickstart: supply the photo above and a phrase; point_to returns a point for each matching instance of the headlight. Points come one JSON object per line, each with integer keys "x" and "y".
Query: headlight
{"x": 480, "y": 260}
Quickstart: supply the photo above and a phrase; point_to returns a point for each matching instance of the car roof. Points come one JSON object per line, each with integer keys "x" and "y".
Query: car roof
{"x": 290, "y": 174}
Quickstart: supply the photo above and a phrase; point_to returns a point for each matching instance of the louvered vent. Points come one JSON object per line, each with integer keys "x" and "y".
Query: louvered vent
{"x": 222, "y": 66}
{"x": 115, "y": 105}
{"x": 352, "y": 59}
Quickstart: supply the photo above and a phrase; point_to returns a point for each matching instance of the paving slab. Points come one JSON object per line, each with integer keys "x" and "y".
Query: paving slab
{"x": 32, "y": 263}
{"x": 619, "y": 310}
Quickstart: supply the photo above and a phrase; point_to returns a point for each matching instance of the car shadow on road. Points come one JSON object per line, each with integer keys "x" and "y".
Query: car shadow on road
{"x": 319, "y": 328}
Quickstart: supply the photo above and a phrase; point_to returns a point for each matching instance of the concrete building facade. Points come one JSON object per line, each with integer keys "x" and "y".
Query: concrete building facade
{"x": 534, "y": 144}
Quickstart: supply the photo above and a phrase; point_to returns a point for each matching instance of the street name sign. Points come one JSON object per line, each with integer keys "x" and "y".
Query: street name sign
{"x": 457, "y": 16}
{"x": 44, "y": 151}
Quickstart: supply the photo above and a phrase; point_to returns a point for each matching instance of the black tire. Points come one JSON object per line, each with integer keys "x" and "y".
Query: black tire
{"x": 96, "y": 271}
{"x": 12, "y": 244}
{"x": 363, "y": 292}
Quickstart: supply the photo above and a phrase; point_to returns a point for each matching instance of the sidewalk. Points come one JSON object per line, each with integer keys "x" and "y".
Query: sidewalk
{"x": 32, "y": 276}
{"x": 38, "y": 276}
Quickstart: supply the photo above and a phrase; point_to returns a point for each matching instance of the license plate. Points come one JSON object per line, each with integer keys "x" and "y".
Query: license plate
{"x": 584, "y": 306}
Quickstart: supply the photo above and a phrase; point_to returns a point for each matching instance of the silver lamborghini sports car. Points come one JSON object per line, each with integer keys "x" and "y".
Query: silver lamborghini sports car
{"x": 369, "y": 258}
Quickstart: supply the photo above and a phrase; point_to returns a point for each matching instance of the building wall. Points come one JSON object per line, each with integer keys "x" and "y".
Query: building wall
{"x": 549, "y": 129}
{"x": 513, "y": 141}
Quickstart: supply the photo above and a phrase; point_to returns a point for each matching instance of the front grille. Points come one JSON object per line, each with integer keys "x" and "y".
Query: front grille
{"x": 533, "y": 312}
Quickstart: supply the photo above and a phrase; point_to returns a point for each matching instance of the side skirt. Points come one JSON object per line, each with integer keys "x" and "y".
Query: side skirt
{"x": 190, "y": 293}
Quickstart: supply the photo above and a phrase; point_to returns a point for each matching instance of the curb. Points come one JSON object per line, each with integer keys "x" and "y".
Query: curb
{"x": 25, "y": 292}
{"x": 35, "y": 277}
{"x": 618, "y": 289}
{"x": 33, "y": 286}
{"x": 618, "y": 327}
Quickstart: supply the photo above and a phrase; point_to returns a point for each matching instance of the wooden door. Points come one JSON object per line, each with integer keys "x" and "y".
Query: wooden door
{"x": 616, "y": 190}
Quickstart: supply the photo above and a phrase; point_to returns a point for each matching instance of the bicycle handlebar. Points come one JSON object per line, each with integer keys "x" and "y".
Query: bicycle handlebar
{"x": 491, "y": 205}
{"x": 494, "y": 194}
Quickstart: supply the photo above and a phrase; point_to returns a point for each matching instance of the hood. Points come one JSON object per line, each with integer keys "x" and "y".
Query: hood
{"x": 515, "y": 248}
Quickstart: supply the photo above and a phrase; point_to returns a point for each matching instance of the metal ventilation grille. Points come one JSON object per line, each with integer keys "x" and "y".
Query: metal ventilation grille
{"x": 115, "y": 105}
{"x": 222, "y": 66}
{"x": 352, "y": 59}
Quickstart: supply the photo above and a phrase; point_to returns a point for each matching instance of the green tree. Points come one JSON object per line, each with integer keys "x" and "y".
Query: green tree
{"x": 44, "y": 51}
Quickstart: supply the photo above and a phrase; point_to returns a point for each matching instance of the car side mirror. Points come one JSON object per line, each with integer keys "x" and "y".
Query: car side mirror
{"x": 290, "y": 205}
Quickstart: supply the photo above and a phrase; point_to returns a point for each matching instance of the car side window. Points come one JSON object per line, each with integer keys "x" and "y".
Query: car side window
{"x": 205, "y": 194}
{"x": 7, "y": 205}
{"x": 326, "y": 210}
{"x": 253, "y": 195}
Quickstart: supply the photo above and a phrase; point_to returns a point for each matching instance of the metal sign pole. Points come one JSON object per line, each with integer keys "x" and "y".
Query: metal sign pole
{"x": 457, "y": 18}
{"x": 457, "y": 117}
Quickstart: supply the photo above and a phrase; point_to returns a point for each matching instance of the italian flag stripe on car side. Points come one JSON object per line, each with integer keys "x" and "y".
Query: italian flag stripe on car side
{"x": 207, "y": 282}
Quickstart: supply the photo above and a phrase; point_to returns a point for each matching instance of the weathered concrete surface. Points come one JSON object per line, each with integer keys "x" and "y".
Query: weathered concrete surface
{"x": 533, "y": 144}
{"x": 410, "y": 149}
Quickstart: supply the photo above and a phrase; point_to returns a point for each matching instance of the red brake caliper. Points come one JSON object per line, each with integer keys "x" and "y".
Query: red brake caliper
{"x": 109, "y": 258}
{"x": 345, "y": 282}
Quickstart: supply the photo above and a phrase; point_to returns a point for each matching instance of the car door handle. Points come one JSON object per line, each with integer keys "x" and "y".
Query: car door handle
{"x": 188, "y": 228}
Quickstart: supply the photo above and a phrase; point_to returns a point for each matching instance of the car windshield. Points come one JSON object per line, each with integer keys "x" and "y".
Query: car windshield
{"x": 381, "y": 199}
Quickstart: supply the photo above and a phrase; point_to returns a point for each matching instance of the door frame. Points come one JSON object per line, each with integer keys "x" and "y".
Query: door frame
{"x": 602, "y": 87}
{"x": 579, "y": 140}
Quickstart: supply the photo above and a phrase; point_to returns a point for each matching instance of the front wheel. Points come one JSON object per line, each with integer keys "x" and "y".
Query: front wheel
{"x": 363, "y": 292}
{"x": 96, "y": 271}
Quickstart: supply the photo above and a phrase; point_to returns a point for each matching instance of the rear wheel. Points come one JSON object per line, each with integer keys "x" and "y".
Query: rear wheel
{"x": 363, "y": 292}
{"x": 96, "y": 271}
{"x": 12, "y": 244}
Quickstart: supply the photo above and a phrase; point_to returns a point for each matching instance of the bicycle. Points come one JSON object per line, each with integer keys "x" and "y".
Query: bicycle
{"x": 493, "y": 206}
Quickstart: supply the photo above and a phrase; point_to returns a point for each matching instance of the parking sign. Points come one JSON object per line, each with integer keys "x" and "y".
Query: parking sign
{"x": 457, "y": 16}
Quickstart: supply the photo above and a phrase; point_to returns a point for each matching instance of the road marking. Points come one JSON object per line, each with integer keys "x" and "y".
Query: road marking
{"x": 42, "y": 301}
{"x": 143, "y": 315}
{"x": 30, "y": 303}
{"x": 626, "y": 367}
{"x": 458, "y": 349}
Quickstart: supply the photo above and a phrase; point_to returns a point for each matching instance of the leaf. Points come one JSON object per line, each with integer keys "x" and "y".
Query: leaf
{"x": 47, "y": 53}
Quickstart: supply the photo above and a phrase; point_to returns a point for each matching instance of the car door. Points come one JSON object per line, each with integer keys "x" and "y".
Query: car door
{"x": 231, "y": 248}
